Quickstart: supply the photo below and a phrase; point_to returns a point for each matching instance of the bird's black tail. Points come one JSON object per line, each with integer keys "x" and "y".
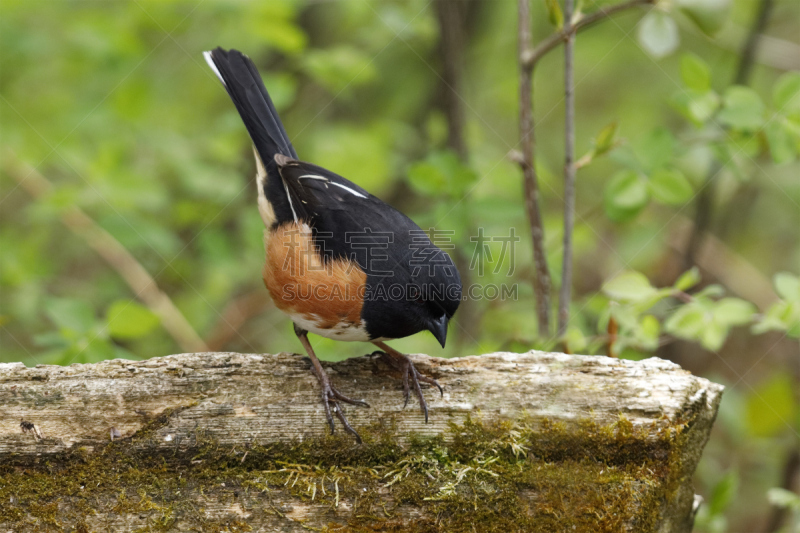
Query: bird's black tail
{"x": 245, "y": 87}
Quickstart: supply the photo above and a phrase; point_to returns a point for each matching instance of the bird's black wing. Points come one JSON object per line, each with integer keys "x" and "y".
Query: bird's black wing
{"x": 396, "y": 254}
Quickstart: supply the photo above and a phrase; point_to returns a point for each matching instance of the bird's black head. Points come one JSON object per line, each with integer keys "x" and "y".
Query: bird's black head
{"x": 437, "y": 294}
{"x": 413, "y": 301}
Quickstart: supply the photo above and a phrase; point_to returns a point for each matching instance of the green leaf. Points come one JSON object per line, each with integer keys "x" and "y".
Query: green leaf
{"x": 74, "y": 315}
{"x": 708, "y": 15}
{"x": 787, "y": 286}
{"x": 742, "y": 108}
{"x": 629, "y": 286}
{"x": 624, "y": 196}
{"x": 648, "y": 332}
{"x": 687, "y": 322}
{"x": 605, "y": 139}
{"x": 710, "y": 291}
{"x": 658, "y": 33}
{"x": 575, "y": 339}
{"x": 695, "y": 73}
{"x": 442, "y": 172}
{"x": 702, "y": 106}
{"x": 781, "y": 316}
{"x": 783, "y": 498}
{"x": 554, "y": 13}
{"x": 625, "y": 316}
{"x": 340, "y": 67}
{"x": 670, "y": 187}
{"x": 688, "y": 279}
{"x": 696, "y": 106}
{"x": 427, "y": 178}
{"x": 656, "y": 149}
{"x": 786, "y": 94}
{"x": 770, "y": 407}
{"x": 733, "y": 312}
{"x": 781, "y": 144}
{"x": 577, "y": 12}
{"x": 271, "y": 23}
{"x": 724, "y": 492}
{"x": 130, "y": 320}
{"x": 626, "y": 157}
{"x": 713, "y": 335}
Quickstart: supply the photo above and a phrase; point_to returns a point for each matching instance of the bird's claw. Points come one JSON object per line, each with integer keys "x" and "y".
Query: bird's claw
{"x": 411, "y": 376}
{"x": 330, "y": 400}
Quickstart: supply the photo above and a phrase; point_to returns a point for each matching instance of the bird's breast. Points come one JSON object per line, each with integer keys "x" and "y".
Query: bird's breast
{"x": 323, "y": 297}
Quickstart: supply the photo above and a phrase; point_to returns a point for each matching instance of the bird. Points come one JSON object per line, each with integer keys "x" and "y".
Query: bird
{"x": 340, "y": 262}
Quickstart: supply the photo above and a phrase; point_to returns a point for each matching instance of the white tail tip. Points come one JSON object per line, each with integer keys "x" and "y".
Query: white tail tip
{"x": 210, "y": 61}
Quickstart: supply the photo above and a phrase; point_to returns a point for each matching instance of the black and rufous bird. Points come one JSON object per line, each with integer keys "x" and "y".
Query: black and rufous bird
{"x": 339, "y": 261}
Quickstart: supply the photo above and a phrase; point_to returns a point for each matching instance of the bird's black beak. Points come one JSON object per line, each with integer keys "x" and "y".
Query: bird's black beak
{"x": 439, "y": 329}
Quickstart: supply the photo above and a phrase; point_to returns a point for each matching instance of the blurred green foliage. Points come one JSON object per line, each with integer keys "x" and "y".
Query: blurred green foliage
{"x": 113, "y": 104}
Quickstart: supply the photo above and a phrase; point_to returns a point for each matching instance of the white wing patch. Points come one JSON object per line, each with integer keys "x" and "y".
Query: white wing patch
{"x": 348, "y": 189}
{"x": 289, "y": 197}
{"x": 211, "y": 64}
{"x": 345, "y": 187}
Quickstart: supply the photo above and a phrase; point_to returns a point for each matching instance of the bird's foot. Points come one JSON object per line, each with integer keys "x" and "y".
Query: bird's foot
{"x": 331, "y": 398}
{"x": 411, "y": 377}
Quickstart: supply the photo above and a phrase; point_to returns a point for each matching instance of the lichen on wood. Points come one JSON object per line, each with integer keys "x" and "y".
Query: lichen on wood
{"x": 235, "y": 442}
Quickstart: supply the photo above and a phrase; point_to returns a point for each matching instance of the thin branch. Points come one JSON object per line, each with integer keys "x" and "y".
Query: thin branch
{"x": 705, "y": 200}
{"x": 533, "y": 55}
{"x": 565, "y": 294}
{"x": 541, "y": 281}
{"x": 528, "y": 57}
{"x": 749, "y": 49}
{"x": 118, "y": 257}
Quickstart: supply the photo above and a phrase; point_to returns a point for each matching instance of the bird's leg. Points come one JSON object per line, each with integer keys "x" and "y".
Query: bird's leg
{"x": 330, "y": 396}
{"x": 411, "y": 376}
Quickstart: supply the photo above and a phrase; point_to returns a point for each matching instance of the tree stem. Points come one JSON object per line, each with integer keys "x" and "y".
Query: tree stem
{"x": 541, "y": 282}
{"x": 533, "y": 55}
{"x": 569, "y": 170}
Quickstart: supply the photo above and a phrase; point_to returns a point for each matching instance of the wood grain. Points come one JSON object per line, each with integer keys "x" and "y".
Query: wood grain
{"x": 238, "y": 401}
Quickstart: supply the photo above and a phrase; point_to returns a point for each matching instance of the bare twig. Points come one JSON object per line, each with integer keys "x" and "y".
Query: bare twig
{"x": 541, "y": 282}
{"x": 118, "y": 257}
{"x": 705, "y": 199}
{"x": 749, "y": 48}
{"x": 533, "y": 55}
{"x": 565, "y": 293}
{"x": 528, "y": 57}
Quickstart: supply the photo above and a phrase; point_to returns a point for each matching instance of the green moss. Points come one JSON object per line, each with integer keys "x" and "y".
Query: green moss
{"x": 526, "y": 474}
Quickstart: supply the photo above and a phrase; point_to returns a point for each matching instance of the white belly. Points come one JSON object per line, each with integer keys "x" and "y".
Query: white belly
{"x": 343, "y": 331}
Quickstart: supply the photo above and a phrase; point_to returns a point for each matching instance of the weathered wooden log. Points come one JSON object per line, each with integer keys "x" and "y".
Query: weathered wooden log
{"x": 237, "y": 442}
